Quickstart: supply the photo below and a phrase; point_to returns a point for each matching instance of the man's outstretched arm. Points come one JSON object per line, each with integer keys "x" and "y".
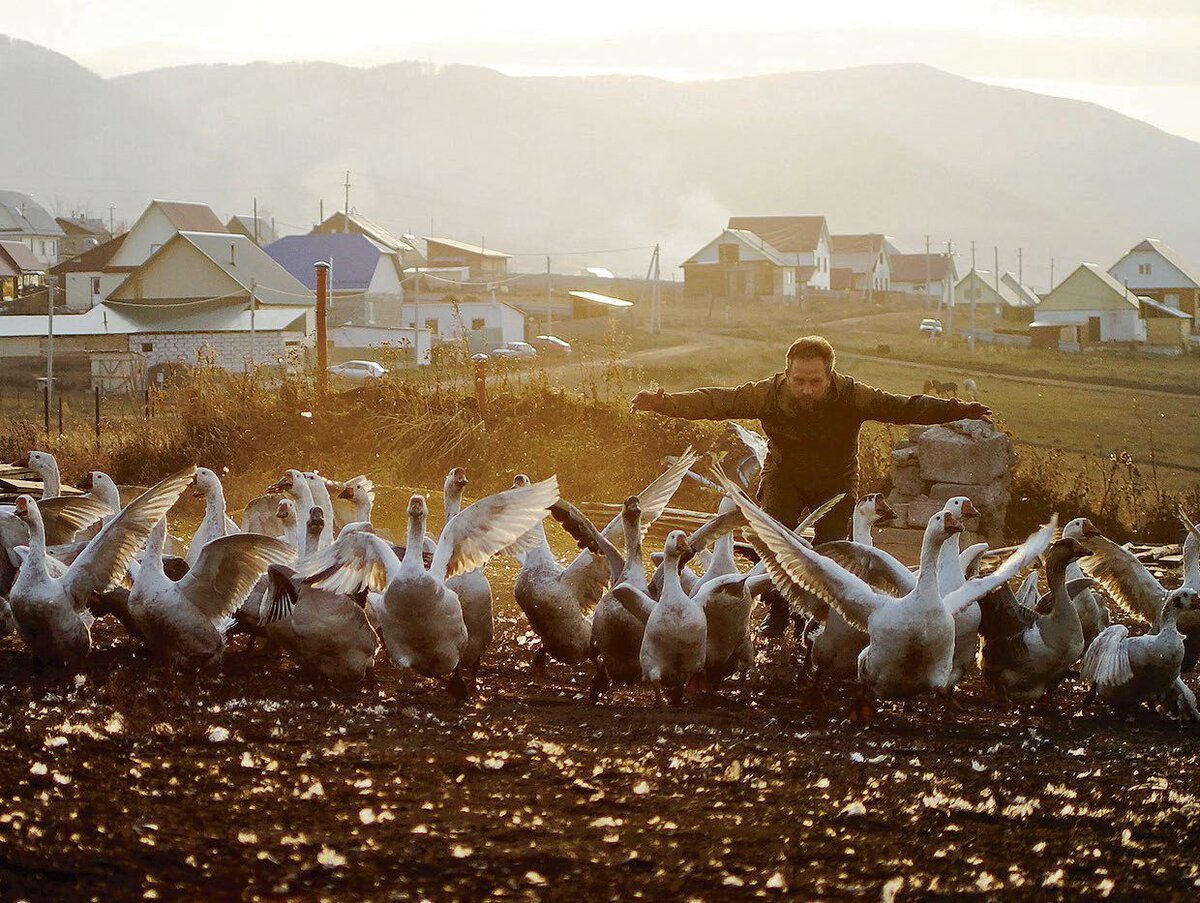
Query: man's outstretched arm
{"x": 886, "y": 407}
{"x": 744, "y": 402}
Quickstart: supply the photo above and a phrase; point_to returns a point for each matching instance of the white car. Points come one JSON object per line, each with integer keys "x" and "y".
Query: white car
{"x": 359, "y": 370}
{"x": 515, "y": 350}
{"x": 931, "y": 327}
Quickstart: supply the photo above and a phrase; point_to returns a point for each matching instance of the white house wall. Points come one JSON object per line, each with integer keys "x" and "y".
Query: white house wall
{"x": 451, "y": 326}
{"x": 1163, "y": 274}
{"x": 79, "y": 295}
{"x": 149, "y": 233}
{"x": 1115, "y": 325}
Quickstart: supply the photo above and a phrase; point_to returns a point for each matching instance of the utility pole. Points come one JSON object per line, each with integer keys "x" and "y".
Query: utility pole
{"x": 549, "y": 309}
{"x": 1021, "y": 265}
{"x": 253, "y": 290}
{"x": 948, "y": 293}
{"x": 927, "y": 277}
{"x": 111, "y": 207}
{"x": 255, "y": 230}
{"x": 655, "y": 314}
{"x": 1051, "y": 274}
{"x": 49, "y": 349}
{"x": 974, "y": 295}
{"x": 347, "y": 200}
{"x": 996, "y": 275}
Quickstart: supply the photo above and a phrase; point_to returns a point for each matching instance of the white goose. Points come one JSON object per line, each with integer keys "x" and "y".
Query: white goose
{"x": 51, "y": 611}
{"x": 185, "y": 622}
{"x": 911, "y": 639}
{"x": 1028, "y": 652}
{"x": 354, "y": 502}
{"x": 321, "y": 497}
{"x": 1128, "y": 671}
{"x": 555, "y": 598}
{"x": 419, "y": 617}
{"x": 327, "y": 633}
{"x": 215, "y": 522}
{"x": 45, "y": 465}
{"x": 292, "y": 484}
{"x": 676, "y": 631}
{"x": 472, "y": 587}
{"x": 1133, "y": 587}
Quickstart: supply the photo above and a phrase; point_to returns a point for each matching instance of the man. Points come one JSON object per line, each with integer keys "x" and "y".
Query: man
{"x": 811, "y": 415}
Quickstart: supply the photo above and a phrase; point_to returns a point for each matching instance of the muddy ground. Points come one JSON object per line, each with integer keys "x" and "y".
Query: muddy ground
{"x": 249, "y": 782}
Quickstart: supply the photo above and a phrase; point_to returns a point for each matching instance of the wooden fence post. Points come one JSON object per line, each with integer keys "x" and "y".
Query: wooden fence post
{"x": 97, "y": 392}
{"x": 60, "y": 414}
{"x": 46, "y": 406}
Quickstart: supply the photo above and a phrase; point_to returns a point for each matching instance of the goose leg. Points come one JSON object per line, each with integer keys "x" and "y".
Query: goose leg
{"x": 539, "y": 665}
{"x": 1088, "y": 698}
{"x": 600, "y": 683}
{"x": 861, "y": 710}
{"x": 457, "y": 687}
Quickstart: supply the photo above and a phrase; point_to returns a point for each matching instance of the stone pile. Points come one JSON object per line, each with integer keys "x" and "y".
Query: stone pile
{"x": 936, "y": 463}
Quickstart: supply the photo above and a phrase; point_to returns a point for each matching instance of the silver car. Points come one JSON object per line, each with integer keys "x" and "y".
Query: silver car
{"x": 360, "y": 371}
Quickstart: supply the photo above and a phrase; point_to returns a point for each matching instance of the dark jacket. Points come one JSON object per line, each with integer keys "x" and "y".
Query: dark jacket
{"x": 819, "y": 447}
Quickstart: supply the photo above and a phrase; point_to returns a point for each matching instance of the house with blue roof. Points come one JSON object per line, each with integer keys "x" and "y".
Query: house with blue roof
{"x": 366, "y": 278}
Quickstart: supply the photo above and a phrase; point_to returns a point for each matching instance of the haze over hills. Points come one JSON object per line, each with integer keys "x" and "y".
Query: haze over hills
{"x": 562, "y": 164}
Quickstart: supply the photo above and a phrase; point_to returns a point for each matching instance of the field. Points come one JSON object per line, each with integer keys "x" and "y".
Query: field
{"x": 250, "y": 782}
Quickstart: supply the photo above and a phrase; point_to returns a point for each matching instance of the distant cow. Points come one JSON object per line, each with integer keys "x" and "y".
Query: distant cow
{"x": 937, "y": 387}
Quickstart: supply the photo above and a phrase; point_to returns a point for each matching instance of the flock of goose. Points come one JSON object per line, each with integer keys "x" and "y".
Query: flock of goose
{"x": 307, "y": 572}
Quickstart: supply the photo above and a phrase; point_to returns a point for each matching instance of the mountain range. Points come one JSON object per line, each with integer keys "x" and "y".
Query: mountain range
{"x": 537, "y": 165}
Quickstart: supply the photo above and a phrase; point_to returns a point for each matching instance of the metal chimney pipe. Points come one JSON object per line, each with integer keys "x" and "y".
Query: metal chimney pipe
{"x": 233, "y": 254}
{"x": 322, "y": 323}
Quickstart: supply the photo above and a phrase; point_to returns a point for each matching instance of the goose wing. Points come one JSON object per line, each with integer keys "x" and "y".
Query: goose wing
{"x": 584, "y": 532}
{"x": 355, "y": 562}
{"x": 65, "y": 516}
{"x": 1124, "y": 578}
{"x": 634, "y": 601}
{"x": 106, "y": 557}
{"x": 880, "y": 569}
{"x": 1003, "y": 622}
{"x": 970, "y": 558}
{"x": 280, "y": 595}
{"x": 228, "y": 568}
{"x": 1106, "y": 662}
{"x": 1025, "y": 554}
{"x": 481, "y": 530}
{"x": 825, "y": 579}
{"x": 1027, "y": 595}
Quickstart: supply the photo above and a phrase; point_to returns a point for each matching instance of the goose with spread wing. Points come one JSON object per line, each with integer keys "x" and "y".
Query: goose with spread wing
{"x": 1129, "y": 671}
{"x": 215, "y": 523}
{"x": 327, "y": 634}
{"x": 472, "y": 587}
{"x": 419, "y": 617}
{"x": 910, "y": 639}
{"x": 1028, "y": 652}
{"x": 1131, "y": 585}
{"x": 185, "y": 622}
{"x": 51, "y": 611}
{"x": 555, "y": 599}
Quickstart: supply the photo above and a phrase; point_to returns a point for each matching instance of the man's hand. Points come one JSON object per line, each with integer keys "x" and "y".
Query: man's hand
{"x": 647, "y": 400}
{"x": 973, "y": 410}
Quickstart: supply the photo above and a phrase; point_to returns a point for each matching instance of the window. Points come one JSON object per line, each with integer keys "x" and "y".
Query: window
{"x": 1144, "y": 269}
{"x": 478, "y": 323}
{"x": 147, "y": 346}
{"x": 431, "y": 323}
{"x": 1172, "y": 301}
{"x": 95, "y": 285}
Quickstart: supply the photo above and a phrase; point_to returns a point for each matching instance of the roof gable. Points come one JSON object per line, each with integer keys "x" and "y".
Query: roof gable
{"x": 21, "y": 214}
{"x": 188, "y": 216}
{"x": 1089, "y": 288}
{"x": 789, "y": 234}
{"x": 1168, "y": 254}
{"x": 339, "y": 223}
{"x": 755, "y": 243}
{"x": 93, "y": 259}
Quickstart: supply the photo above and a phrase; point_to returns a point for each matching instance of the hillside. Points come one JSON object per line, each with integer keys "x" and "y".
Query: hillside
{"x": 562, "y": 164}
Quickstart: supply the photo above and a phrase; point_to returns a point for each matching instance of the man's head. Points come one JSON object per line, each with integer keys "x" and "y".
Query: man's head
{"x": 809, "y": 371}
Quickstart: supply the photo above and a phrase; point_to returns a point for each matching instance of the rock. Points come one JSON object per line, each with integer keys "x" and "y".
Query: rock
{"x": 915, "y": 431}
{"x": 948, "y": 456}
{"x": 899, "y": 504}
{"x": 907, "y": 480}
{"x": 905, "y": 455}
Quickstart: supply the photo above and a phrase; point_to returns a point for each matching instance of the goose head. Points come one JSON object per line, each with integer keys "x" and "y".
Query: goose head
{"x": 676, "y": 548}
{"x": 631, "y": 509}
{"x": 286, "y": 483}
{"x": 881, "y": 509}
{"x": 418, "y": 509}
{"x": 316, "y": 521}
{"x": 205, "y": 483}
{"x": 521, "y": 480}
{"x": 456, "y": 481}
{"x": 1179, "y": 601}
{"x": 286, "y": 511}
{"x": 355, "y": 492}
{"x": 946, "y": 524}
{"x": 961, "y": 507}
{"x": 27, "y": 510}
{"x": 1082, "y": 529}
{"x": 41, "y": 462}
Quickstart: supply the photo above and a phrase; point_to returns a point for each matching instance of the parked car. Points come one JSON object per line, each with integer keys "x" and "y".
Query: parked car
{"x": 551, "y": 344}
{"x": 359, "y": 370}
{"x": 931, "y": 327}
{"x": 515, "y": 351}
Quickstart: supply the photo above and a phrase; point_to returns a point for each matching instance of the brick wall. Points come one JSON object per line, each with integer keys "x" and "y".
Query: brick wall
{"x": 231, "y": 350}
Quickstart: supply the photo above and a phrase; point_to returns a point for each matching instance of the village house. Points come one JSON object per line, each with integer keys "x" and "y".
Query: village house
{"x": 1091, "y": 308}
{"x": 80, "y": 234}
{"x": 87, "y": 279}
{"x": 356, "y": 224}
{"x": 868, "y": 257}
{"x": 480, "y": 264}
{"x": 922, "y": 274}
{"x": 24, "y": 220}
{"x": 761, "y": 257}
{"x": 1006, "y": 296}
{"x": 204, "y": 275}
{"x": 485, "y": 324}
{"x": 365, "y": 278}
{"x": 1153, "y": 269}
{"x": 260, "y": 230}
{"x": 20, "y": 271}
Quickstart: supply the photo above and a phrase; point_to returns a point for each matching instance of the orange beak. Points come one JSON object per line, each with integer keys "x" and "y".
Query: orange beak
{"x": 969, "y": 509}
{"x": 952, "y": 524}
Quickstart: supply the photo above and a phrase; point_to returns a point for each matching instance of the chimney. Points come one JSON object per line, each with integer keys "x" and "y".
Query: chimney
{"x": 233, "y": 253}
{"x": 322, "y": 323}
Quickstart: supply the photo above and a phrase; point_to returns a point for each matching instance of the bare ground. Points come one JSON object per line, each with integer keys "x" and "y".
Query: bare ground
{"x": 125, "y": 786}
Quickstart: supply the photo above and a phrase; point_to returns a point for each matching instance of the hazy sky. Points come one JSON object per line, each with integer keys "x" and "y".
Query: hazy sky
{"x": 1141, "y": 57}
